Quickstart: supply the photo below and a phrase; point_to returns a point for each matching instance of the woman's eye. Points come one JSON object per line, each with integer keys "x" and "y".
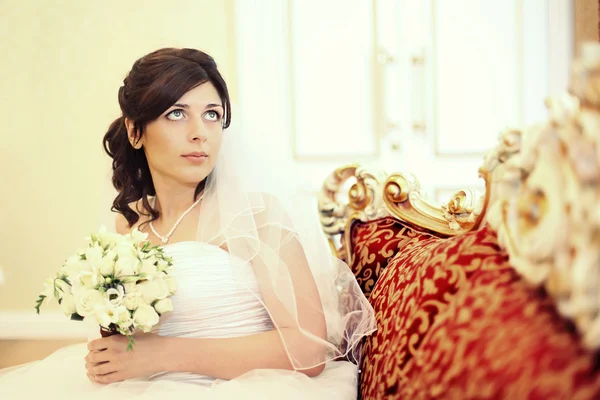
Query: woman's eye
{"x": 212, "y": 115}
{"x": 175, "y": 115}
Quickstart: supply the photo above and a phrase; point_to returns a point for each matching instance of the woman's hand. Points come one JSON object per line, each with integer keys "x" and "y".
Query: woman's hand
{"x": 109, "y": 361}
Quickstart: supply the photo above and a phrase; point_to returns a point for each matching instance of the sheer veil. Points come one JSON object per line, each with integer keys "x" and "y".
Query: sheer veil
{"x": 249, "y": 208}
{"x": 313, "y": 298}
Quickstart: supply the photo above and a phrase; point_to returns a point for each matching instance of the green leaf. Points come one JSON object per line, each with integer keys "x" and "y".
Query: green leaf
{"x": 76, "y": 317}
{"x": 38, "y": 303}
{"x": 131, "y": 343}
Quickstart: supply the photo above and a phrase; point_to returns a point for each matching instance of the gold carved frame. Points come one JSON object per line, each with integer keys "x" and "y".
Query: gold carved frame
{"x": 352, "y": 193}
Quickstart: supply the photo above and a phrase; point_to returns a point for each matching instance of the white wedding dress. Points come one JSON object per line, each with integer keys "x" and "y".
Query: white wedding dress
{"x": 208, "y": 303}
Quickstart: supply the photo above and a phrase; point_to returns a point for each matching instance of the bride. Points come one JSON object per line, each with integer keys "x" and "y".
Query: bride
{"x": 261, "y": 310}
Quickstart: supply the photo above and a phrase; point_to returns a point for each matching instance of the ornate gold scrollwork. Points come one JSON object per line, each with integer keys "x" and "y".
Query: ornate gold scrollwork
{"x": 408, "y": 204}
{"x": 349, "y": 193}
{"x": 352, "y": 193}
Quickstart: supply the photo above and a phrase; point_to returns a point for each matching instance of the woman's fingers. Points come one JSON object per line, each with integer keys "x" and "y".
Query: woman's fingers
{"x": 95, "y": 357}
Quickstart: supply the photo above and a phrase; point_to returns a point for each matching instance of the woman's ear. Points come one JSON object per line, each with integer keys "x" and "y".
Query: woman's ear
{"x": 132, "y": 135}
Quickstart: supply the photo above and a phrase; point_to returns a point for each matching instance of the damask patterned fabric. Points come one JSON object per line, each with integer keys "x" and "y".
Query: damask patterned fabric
{"x": 456, "y": 322}
{"x": 374, "y": 243}
{"x": 501, "y": 339}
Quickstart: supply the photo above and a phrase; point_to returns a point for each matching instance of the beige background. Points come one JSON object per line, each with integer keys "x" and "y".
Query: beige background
{"x": 62, "y": 66}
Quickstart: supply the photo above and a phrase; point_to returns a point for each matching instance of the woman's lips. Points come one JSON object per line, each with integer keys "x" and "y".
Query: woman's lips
{"x": 195, "y": 157}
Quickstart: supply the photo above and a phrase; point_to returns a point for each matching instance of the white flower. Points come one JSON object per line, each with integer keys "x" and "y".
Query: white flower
{"x": 171, "y": 284}
{"x": 93, "y": 254}
{"x": 90, "y": 276}
{"x": 87, "y": 300}
{"x": 163, "y": 265}
{"x": 132, "y": 300}
{"x": 119, "y": 292}
{"x": 137, "y": 236}
{"x": 148, "y": 266}
{"x": 153, "y": 290}
{"x": 129, "y": 288}
{"x": 127, "y": 266}
{"x": 72, "y": 267}
{"x": 163, "y": 306}
{"x": 68, "y": 304}
{"x": 48, "y": 287}
{"x": 125, "y": 321}
{"x": 125, "y": 250}
{"x": 76, "y": 286}
{"x": 107, "y": 239}
{"x": 63, "y": 288}
{"x": 132, "y": 297}
{"x": 107, "y": 264}
{"x": 145, "y": 318}
{"x": 106, "y": 314}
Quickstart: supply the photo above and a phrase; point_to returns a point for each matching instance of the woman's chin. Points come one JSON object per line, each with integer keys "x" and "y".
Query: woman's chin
{"x": 192, "y": 179}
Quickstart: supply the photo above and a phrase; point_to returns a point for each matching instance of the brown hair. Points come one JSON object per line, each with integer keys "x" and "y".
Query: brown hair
{"x": 156, "y": 81}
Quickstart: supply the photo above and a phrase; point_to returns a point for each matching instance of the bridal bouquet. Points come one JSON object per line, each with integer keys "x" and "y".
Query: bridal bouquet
{"x": 120, "y": 282}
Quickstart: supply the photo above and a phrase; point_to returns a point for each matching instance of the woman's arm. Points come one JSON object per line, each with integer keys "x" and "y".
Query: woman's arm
{"x": 224, "y": 358}
{"x": 227, "y": 358}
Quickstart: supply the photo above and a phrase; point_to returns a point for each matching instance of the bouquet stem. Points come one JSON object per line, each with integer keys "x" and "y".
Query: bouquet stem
{"x": 107, "y": 333}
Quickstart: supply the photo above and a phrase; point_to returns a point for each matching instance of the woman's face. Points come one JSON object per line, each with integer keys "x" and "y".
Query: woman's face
{"x": 182, "y": 144}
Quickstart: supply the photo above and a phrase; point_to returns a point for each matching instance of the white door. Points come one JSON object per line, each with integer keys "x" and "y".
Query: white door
{"x": 462, "y": 71}
{"x": 423, "y": 86}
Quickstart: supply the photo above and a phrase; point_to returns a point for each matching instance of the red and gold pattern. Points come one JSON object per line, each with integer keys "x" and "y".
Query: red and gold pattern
{"x": 374, "y": 243}
{"x": 501, "y": 339}
{"x": 416, "y": 286}
{"x": 456, "y": 322}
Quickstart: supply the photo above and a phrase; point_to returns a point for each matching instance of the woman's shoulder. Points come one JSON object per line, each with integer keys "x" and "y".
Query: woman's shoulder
{"x": 268, "y": 207}
{"x": 122, "y": 226}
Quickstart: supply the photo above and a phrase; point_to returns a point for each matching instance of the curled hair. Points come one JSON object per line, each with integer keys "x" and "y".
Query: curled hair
{"x": 156, "y": 81}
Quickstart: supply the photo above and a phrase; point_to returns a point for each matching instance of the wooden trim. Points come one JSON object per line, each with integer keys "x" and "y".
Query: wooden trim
{"x": 586, "y": 21}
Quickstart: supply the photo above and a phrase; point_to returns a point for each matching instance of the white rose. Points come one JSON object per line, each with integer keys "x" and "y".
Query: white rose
{"x": 132, "y": 297}
{"x": 163, "y": 306}
{"x": 145, "y": 318}
{"x": 86, "y": 300}
{"x": 132, "y": 300}
{"x": 115, "y": 295}
{"x": 127, "y": 266}
{"x": 68, "y": 305}
{"x": 153, "y": 290}
{"x": 124, "y": 318}
{"x": 148, "y": 267}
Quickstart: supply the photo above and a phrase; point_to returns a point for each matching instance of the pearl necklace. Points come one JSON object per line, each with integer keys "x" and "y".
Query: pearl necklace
{"x": 165, "y": 239}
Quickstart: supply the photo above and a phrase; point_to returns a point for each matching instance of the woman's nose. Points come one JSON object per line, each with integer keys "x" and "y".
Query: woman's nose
{"x": 198, "y": 132}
